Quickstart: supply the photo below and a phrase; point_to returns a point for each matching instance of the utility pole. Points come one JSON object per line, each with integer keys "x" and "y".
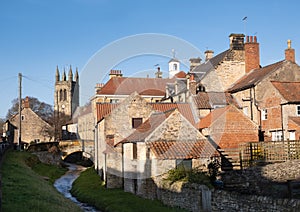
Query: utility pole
{"x": 20, "y": 109}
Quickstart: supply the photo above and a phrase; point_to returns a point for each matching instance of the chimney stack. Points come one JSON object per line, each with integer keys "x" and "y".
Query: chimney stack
{"x": 194, "y": 62}
{"x": 192, "y": 84}
{"x": 252, "y": 60}
{"x": 26, "y": 102}
{"x": 158, "y": 74}
{"x": 209, "y": 54}
{"x": 115, "y": 73}
{"x": 290, "y": 52}
{"x": 236, "y": 41}
{"x": 98, "y": 87}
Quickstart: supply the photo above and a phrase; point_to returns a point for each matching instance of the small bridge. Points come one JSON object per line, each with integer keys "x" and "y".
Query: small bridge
{"x": 68, "y": 147}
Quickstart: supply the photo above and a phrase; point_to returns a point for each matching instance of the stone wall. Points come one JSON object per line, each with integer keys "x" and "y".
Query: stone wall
{"x": 231, "y": 201}
{"x": 192, "y": 197}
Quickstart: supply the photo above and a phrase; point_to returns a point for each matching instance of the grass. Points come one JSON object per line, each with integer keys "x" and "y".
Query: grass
{"x": 24, "y": 187}
{"x": 90, "y": 189}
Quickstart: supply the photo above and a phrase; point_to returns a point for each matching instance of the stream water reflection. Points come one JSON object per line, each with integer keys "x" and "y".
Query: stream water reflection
{"x": 64, "y": 185}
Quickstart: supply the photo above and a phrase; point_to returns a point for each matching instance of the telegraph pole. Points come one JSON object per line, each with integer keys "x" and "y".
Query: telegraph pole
{"x": 20, "y": 109}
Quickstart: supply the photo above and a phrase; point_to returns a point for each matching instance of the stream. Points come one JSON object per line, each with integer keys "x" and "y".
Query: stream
{"x": 64, "y": 185}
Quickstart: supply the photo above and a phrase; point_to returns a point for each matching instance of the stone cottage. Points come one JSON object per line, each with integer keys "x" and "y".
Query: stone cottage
{"x": 163, "y": 142}
{"x": 34, "y": 128}
{"x": 116, "y": 122}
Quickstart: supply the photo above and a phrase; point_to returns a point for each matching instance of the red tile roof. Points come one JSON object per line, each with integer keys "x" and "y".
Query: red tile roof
{"x": 146, "y": 128}
{"x": 290, "y": 91}
{"x": 229, "y": 127}
{"x": 296, "y": 120}
{"x": 104, "y": 109}
{"x": 143, "y": 86}
{"x": 184, "y": 108}
{"x": 180, "y": 74}
{"x": 181, "y": 149}
{"x": 207, "y": 100}
{"x": 254, "y": 77}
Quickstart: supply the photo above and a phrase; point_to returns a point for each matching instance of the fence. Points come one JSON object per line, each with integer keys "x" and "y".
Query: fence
{"x": 255, "y": 153}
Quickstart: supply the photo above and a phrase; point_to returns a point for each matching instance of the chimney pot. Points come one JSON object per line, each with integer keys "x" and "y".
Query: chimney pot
{"x": 290, "y": 52}
{"x": 255, "y": 39}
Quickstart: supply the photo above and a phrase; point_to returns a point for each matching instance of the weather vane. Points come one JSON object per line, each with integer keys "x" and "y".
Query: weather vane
{"x": 173, "y": 53}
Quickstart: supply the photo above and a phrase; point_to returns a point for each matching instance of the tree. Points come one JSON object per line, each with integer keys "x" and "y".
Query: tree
{"x": 2, "y": 121}
{"x": 42, "y": 109}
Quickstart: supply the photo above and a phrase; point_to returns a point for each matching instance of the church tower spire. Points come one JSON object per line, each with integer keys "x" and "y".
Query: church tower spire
{"x": 70, "y": 74}
{"x": 76, "y": 75}
{"x": 57, "y": 74}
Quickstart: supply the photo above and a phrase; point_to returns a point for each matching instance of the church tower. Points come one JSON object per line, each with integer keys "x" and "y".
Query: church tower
{"x": 66, "y": 95}
{"x": 174, "y": 66}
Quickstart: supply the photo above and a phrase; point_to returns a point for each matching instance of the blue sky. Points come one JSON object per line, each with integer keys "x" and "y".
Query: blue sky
{"x": 38, "y": 35}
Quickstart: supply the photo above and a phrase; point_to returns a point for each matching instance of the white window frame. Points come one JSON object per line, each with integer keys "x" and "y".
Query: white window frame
{"x": 298, "y": 110}
{"x": 264, "y": 114}
{"x": 277, "y": 135}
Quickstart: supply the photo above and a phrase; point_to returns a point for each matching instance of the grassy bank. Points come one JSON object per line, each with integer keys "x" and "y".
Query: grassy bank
{"x": 27, "y": 185}
{"x": 89, "y": 188}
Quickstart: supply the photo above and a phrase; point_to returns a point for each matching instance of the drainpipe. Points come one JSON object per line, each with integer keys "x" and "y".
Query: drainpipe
{"x": 259, "y": 115}
{"x": 251, "y": 102}
{"x": 96, "y": 147}
{"x": 281, "y": 110}
{"x": 123, "y": 181}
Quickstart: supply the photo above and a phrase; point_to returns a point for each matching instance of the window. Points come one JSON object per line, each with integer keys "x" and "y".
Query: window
{"x": 175, "y": 67}
{"x": 136, "y": 122}
{"x": 292, "y": 135}
{"x": 60, "y": 95}
{"x": 110, "y": 140}
{"x": 277, "y": 135}
{"x": 65, "y": 95}
{"x": 134, "y": 151}
{"x": 298, "y": 110}
{"x": 22, "y": 117}
{"x": 186, "y": 164}
{"x": 264, "y": 114}
{"x": 245, "y": 110}
{"x": 114, "y": 101}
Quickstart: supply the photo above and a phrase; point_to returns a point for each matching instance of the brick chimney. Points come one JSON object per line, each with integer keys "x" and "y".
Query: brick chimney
{"x": 236, "y": 41}
{"x": 115, "y": 73}
{"x": 252, "y": 60}
{"x": 192, "y": 84}
{"x": 289, "y": 52}
{"x": 208, "y": 54}
{"x": 26, "y": 102}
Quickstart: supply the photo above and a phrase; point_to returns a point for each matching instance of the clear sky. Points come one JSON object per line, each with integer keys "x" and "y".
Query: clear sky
{"x": 38, "y": 35}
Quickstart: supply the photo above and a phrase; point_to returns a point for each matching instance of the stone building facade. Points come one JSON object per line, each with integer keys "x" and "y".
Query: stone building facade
{"x": 262, "y": 102}
{"x": 119, "y": 123}
{"x": 33, "y": 127}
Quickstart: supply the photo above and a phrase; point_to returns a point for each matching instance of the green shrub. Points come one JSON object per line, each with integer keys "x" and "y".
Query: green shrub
{"x": 192, "y": 176}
